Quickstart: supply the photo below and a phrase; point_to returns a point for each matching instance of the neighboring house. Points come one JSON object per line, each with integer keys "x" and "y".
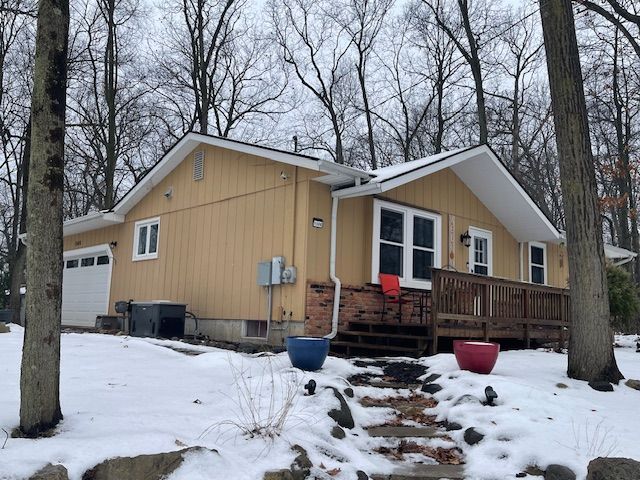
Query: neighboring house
{"x": 195, "y": 228}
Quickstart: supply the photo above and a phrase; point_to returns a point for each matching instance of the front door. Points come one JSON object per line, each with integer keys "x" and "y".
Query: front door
{"x": 481, "y": 252}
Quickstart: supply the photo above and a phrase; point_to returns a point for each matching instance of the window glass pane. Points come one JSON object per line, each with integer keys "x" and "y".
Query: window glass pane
{"x": 142, "y": 240}
{"x": 537, "y": 255}
{"x": 103, "y": 260}
{"x": 153, "y": 238}
{"x": 391, "y": 226}
{"x": 72, "y": 263}
{"x": 480, "y": 250}
{"x": 256, "y": 328}
{"x": 423, "y": 232}
{"x": 391, "y": 259}
{"x": 422, "y": 263}
{"x": 537, "y": 275}
{"x": 87, "y": 262}
{"x": 481, "y": 270}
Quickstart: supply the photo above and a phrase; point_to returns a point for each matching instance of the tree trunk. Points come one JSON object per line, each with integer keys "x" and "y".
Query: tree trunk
{"x": 476, "y": 70}
{"x": 111, "y": 86}
{"x": 591, "y": 344}
{"x": 18, "y": 258}
{"x": 40, "y": 375}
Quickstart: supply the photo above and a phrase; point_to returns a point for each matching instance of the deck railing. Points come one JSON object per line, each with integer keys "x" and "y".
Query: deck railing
{"x": 493, "y": 304}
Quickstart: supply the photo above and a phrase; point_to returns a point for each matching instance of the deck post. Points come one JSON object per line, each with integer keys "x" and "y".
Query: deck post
{"x": 525, "y": 315}
{"x": 486, "y": 311}
{"x": 435, "y": 305}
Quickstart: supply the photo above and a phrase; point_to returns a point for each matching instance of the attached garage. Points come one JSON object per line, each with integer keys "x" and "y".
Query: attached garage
{"x": 85, "y": 285}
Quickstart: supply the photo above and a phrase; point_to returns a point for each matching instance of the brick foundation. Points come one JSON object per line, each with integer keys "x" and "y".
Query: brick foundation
{"x": 357, "y": 302}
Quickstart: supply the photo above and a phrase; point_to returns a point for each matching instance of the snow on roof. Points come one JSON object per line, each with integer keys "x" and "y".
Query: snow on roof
{"x": 392, "y": 171}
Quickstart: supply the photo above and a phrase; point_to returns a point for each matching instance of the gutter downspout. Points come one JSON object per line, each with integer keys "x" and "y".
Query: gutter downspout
{"x": 332, "y": 269}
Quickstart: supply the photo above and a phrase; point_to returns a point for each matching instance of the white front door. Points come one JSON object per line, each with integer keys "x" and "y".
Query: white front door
{"x": 481, "y": 251}
{"x": 85, "y": 285}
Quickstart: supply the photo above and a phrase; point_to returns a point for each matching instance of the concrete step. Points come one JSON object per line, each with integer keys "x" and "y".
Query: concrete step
{"x": 404, "y": 432}
{"x": 424, "y": 472}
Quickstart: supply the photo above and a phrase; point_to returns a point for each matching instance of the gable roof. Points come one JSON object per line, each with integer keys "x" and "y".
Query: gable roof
{"x": 336, "y": 175}
{"x": 486, "y": 176}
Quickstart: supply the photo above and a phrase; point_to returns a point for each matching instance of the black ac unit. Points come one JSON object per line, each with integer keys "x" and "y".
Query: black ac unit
{"x": 157, "y": 319}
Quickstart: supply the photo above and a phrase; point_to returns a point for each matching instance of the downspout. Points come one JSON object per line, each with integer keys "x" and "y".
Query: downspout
{"x": 332, "y": 269}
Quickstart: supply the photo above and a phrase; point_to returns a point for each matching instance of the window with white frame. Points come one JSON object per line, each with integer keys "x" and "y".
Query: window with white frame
{"x": 538, "y": 263}
{"x": 406, "y": 242}
{"x": 145, "y": 239}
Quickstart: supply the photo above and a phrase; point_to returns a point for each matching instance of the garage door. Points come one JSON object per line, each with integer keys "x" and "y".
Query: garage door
{"x": 85, "y": 285}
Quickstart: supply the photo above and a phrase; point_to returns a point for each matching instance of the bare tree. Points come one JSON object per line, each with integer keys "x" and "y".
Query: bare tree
{"x": 317, "y": 50}
{"x": 590, "y": 346}
{"x": 40, "y": 374}
{"x": 363, "y": 20}
{"x": 467, "y": 35}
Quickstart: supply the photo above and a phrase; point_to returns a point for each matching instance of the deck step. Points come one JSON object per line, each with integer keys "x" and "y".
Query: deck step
{"x": 401, "y": 336}
{"x": 424, "y": 472}
{"x": 388, "y": 431}
{"x": 372, "y": 350}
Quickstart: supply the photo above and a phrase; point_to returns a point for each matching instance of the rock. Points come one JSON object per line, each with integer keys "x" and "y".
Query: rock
{"x": 610, "y": 468}
{"x": 338, "y": 432}
{"x": 342, "y": 415}
{"x": 50, "y": 472}
{"x": 431, "y": 388}
{"x": 491, "y": 395}
{"x": 283, "y": 474}
{"x": 534, "y": 471}
{"x": 301, "y": 466}
{"x": 360, "y": 475}
{"x": 561, "y": 385}
{"x": 150, "y": 467}
{"x": 451, "y": 426}
{"x": 348, "y": 392}
{"x": 601, "y": 386}
{"x": 431, "y": 378}
{"x": 472, "y": 436}
{"x": 559, "y": 472}
{"x": 635, "y": 384}
{"x": 4, "y": 328}
{"x": 464, "y": 399}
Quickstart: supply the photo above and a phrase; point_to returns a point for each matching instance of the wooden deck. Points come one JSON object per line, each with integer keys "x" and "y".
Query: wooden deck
{"x": 465, "y": 306}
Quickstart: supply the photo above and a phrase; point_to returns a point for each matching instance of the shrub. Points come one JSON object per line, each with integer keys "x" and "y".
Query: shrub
{"x": 624, "y": 303}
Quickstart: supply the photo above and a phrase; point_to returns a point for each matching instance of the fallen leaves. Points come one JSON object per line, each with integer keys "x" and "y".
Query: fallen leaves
{"x": 445, "y": 456}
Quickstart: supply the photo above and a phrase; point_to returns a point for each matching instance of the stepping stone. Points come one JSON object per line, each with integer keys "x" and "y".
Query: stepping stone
{"x": 403, "y": 432}
{"x": 424, "y": 472}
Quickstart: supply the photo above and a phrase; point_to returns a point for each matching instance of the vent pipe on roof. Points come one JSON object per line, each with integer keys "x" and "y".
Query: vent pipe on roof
{"x": 332, "y": 269}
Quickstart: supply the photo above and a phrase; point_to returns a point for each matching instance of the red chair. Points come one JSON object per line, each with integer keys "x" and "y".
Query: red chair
{"x": 391, "y": 293}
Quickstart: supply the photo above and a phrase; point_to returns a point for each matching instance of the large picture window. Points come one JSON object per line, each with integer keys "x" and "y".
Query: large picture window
{"x": 145, "y": 239}
{"x": 406, "y": 242}
{"x": 538, "y": 263}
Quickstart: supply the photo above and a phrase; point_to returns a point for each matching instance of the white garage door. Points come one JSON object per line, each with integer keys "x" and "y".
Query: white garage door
{"x": 85, "y": 285}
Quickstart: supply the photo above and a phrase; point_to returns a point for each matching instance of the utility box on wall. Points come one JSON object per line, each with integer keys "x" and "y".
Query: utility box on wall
{"x": 264, "y": 273}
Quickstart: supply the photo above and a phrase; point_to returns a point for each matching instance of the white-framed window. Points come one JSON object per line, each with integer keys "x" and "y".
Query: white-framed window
{"x": 538, "y": 263}
{"x": 406, "y": 242}
{"x": 146, "y": 236}
{"x": 481, "y": 251}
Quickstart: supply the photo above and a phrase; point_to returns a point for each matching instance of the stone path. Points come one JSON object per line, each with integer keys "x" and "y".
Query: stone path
{"x": 409, "y": 408}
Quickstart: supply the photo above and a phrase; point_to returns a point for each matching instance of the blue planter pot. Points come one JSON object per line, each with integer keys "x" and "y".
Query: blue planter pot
{"x": 307, "y": 353}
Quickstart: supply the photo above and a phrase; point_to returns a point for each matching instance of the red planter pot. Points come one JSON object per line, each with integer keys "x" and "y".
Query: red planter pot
{"x": 477, "y": 357}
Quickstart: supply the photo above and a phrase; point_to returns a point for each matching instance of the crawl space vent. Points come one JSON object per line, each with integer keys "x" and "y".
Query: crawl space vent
{"x": 198, "y": 165}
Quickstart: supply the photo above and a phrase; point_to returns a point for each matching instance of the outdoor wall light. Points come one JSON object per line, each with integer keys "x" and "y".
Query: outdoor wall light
{"x": 465, "y": 238}
{"x": 113, "y": 245}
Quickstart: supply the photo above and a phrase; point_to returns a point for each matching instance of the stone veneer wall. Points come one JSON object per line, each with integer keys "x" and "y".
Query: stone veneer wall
{"x": 357, "y": 302}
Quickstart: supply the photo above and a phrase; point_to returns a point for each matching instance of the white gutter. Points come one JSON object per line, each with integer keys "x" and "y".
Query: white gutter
{"x": 521, "y": 245}
{"x": 332, "y": 269}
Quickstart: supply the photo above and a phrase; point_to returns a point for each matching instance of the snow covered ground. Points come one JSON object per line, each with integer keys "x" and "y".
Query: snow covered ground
{"x": 125, "y": 396}
{"x": 536, "y": 420}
